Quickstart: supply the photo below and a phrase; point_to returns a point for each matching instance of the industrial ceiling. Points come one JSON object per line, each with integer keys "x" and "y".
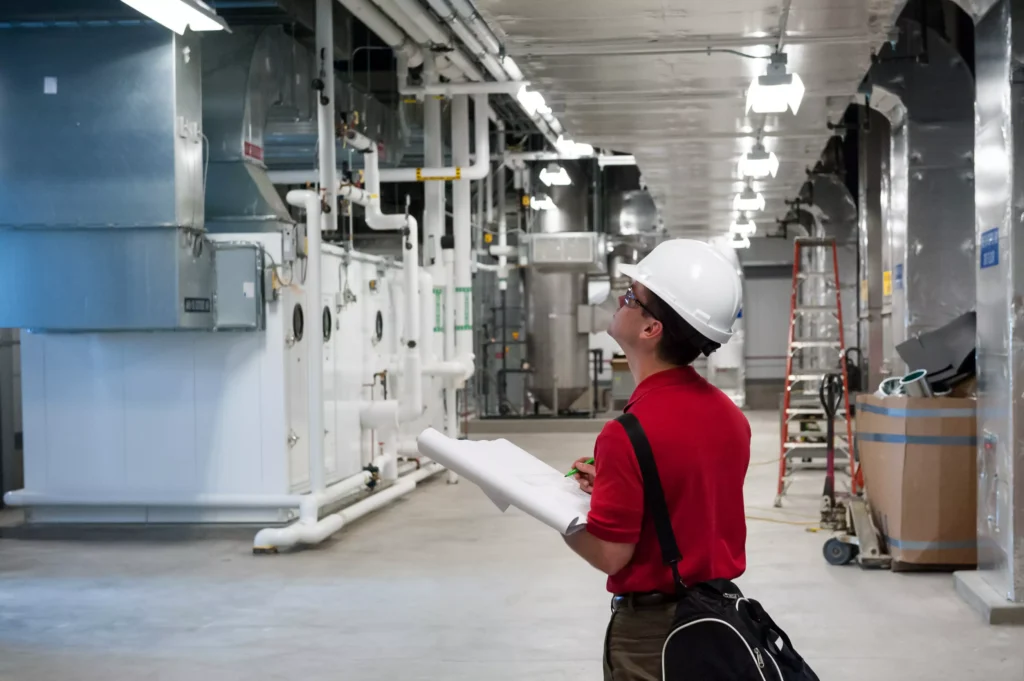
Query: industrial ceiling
{"x": 639, "y": 77}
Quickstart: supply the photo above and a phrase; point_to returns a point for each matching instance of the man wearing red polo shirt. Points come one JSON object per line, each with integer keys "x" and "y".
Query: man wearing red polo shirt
{"x": 683, "y": 301}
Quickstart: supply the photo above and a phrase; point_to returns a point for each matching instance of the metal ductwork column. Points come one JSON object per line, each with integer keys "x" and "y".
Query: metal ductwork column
{"x": 102, "y": 181}
{"x": 929, "y": 206}
{"x": 999, "y": 267}
{"x": 873, "y": 149}
{"x": 557, "y": 350}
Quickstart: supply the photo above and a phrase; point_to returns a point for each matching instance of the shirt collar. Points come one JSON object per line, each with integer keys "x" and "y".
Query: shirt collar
{"x": 662, "y": 379}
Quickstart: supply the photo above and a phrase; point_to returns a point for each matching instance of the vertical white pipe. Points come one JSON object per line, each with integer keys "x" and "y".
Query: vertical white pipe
{"x": 310, "y": 200}
{"x": 325, "y": 114}
{"x": 433, "y": 209}
{"x": 463, "y": 240}
{"x": 427, "y": 318}
{"x": 502, "y": 220}
{"x": 451, "y": 421}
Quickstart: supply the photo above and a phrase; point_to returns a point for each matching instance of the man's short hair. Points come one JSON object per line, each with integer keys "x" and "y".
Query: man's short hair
{"x": 680, "y": 343}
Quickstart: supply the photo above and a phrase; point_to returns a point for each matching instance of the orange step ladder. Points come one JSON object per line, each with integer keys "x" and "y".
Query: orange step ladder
{"x": 816, "y": 348}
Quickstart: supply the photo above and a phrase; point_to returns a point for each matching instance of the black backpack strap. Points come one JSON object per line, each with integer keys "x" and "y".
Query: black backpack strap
{"x": 654, "y": 495}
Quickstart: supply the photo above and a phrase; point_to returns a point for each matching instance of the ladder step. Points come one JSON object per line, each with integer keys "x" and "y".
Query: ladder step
{"x": 817, "y": 308}
{"x": 816, "y": 273}
{"x": 799, "y": 345}
{"x": 806, "y": 377}
{"x": 815, "y": 241}
{"x": 814, "y": 445}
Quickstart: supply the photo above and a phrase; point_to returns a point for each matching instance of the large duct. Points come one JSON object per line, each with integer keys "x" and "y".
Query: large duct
{"x": 244, "y": 78}
{"x": 101, "y": 181}
{"x": 1000, "y": 288}
{"x": 557, "y": 351}
{"x": 928, "y": 206}
{"x": 873, "y": 148}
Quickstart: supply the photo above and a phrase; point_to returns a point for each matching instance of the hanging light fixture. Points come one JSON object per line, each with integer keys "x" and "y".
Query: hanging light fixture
{"x": 542, "y": 202}
{"x": 555, "y": 175}
{"x": 777, "y": 90}
{"x": 743, "y": 226}
{"x": 759, "y": 163}
{"x": 748, "y": 200}
{"x": 178, "y": 15}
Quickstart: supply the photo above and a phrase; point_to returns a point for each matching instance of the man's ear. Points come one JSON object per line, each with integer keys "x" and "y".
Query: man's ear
{"x": 652, "y": 328}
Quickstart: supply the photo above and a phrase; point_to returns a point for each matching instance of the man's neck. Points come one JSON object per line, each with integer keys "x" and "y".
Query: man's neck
{"x": 644, "y": 367}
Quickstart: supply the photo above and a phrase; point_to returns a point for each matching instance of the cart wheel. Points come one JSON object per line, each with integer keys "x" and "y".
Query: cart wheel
{"x": 838, "y": 553}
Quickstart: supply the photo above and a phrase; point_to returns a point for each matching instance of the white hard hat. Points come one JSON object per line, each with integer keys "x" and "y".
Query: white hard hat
{"x": 697, "y": 281}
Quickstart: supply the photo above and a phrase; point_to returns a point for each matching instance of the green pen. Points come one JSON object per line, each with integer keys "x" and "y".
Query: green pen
{"x": 574, "y": 471}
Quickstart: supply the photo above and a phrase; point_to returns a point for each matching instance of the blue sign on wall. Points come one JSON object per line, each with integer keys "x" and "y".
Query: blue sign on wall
{"x": 899, "y": 277}
{"x": 990, "y": 248}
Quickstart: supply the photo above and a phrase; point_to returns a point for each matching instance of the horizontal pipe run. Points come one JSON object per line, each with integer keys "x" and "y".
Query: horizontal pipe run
{"x": 315, "y": 532}
{"x": 452, "y": 89}
{"x": 385, "y": 28}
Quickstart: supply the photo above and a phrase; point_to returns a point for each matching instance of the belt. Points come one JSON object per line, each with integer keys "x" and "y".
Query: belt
{"x": 631, "y": 601}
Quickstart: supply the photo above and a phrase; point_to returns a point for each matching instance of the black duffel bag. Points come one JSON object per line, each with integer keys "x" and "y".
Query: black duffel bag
{"x": 717, "y": 634}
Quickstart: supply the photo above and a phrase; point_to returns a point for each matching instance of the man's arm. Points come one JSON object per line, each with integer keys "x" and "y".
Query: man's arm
{"x": 608, "y": 557}
{"x": 616, "y": 504}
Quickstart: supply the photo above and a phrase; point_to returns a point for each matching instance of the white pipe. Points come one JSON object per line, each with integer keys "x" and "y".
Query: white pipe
{"x": 22, "y": 497}
{"x": 603, "y": 160}
{"x": 310, "y": 200}
{"x": 439, "y": 36}
{"x": 502, "y": 218}
{"x": 358, "y": 196}
{"x": 434, "y": 208}
{"x": 409, "y": 448}
{"x": 313, "y": 531}
{"x": 477, "y": 171}
{"x": 379, "y": 415}
{"x": 385, "y": 29}
{"x": 462, "y": 229}
{"x": 472, "y": 17}
{"x": 428, "y": 353}
{"x": 452, "y": 89}
{"x": 305, "y": 532}
{"x": 310, "y": 504}
{"x": 412, "y": 408}
{"x": 328, "y": 163}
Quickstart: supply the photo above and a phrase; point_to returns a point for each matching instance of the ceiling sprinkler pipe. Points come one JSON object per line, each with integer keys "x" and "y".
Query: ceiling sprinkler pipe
{"x": 385, "y": 29}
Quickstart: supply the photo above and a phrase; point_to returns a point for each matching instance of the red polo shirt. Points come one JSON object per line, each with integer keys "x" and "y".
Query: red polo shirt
{"x": 701, "y": 444}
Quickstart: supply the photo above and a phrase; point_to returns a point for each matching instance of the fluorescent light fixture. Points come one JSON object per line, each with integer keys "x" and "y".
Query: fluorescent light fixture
{"x": 567, "y": 147}
{"x": 178, "y": 15}
{"x": 605, "y": 160}
{"x": 777, "y": 90}
{"x": 758, "y": 163}
{"x": 542, "y": 202}
{"x": 533, "y": 102}
{"x": 555, "y": 175}
{"x": 743, "y": 226}
{"x": 748, "y": 200}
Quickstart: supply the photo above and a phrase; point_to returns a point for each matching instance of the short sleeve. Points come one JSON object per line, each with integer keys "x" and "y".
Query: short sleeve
{"x": 617, "y": 501}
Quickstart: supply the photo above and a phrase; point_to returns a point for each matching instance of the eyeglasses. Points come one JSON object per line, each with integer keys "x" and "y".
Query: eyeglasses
{"x": 630, "y": 300}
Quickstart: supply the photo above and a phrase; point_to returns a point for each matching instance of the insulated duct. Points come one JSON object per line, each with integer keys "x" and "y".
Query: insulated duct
{"x": 928, "y": 210}
{"x": 873, "y": 148}
{"x": 101, "y": 184}
{"x": 1000, "y": 290}
{"x": 244, "y": 77}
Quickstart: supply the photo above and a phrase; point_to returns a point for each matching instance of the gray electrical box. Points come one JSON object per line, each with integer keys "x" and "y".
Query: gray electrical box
{"x": 239, "y": 301}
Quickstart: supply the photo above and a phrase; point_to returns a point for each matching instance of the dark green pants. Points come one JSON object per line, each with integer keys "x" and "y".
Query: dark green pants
{"x": 632, "y": 648}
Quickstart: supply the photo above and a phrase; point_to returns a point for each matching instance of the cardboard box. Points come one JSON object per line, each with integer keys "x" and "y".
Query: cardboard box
{"x": 919, "y": 459}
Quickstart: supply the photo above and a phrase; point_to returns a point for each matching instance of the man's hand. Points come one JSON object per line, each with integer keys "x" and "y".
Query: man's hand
{"x": 585, "y": 476}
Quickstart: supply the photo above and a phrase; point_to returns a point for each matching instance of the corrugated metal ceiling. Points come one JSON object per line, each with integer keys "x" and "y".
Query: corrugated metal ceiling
{"x": 637, "y": 77}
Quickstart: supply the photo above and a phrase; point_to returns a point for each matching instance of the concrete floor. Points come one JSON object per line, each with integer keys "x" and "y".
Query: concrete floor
{"x": 441, "y": 586}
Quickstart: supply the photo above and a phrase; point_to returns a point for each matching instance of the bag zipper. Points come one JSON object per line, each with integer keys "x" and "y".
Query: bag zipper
{"x": 753, "y": 657}
{"x": 771, "y": 657}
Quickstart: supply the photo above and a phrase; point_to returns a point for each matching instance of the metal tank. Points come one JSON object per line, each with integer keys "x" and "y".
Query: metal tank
{"x": 557, "y": 352}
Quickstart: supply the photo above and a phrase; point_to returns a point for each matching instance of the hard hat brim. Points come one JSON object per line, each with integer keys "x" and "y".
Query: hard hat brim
{"x": 629, "y": 271}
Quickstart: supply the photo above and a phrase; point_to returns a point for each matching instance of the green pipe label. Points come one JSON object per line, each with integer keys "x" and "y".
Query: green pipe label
{"x": 438, "y": 309}
{"x": 465, "y": 293}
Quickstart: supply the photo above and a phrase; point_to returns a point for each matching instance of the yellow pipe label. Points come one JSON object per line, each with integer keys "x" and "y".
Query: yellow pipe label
{"x": 887, "y": 283}
{"x": 420, "y": 177}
